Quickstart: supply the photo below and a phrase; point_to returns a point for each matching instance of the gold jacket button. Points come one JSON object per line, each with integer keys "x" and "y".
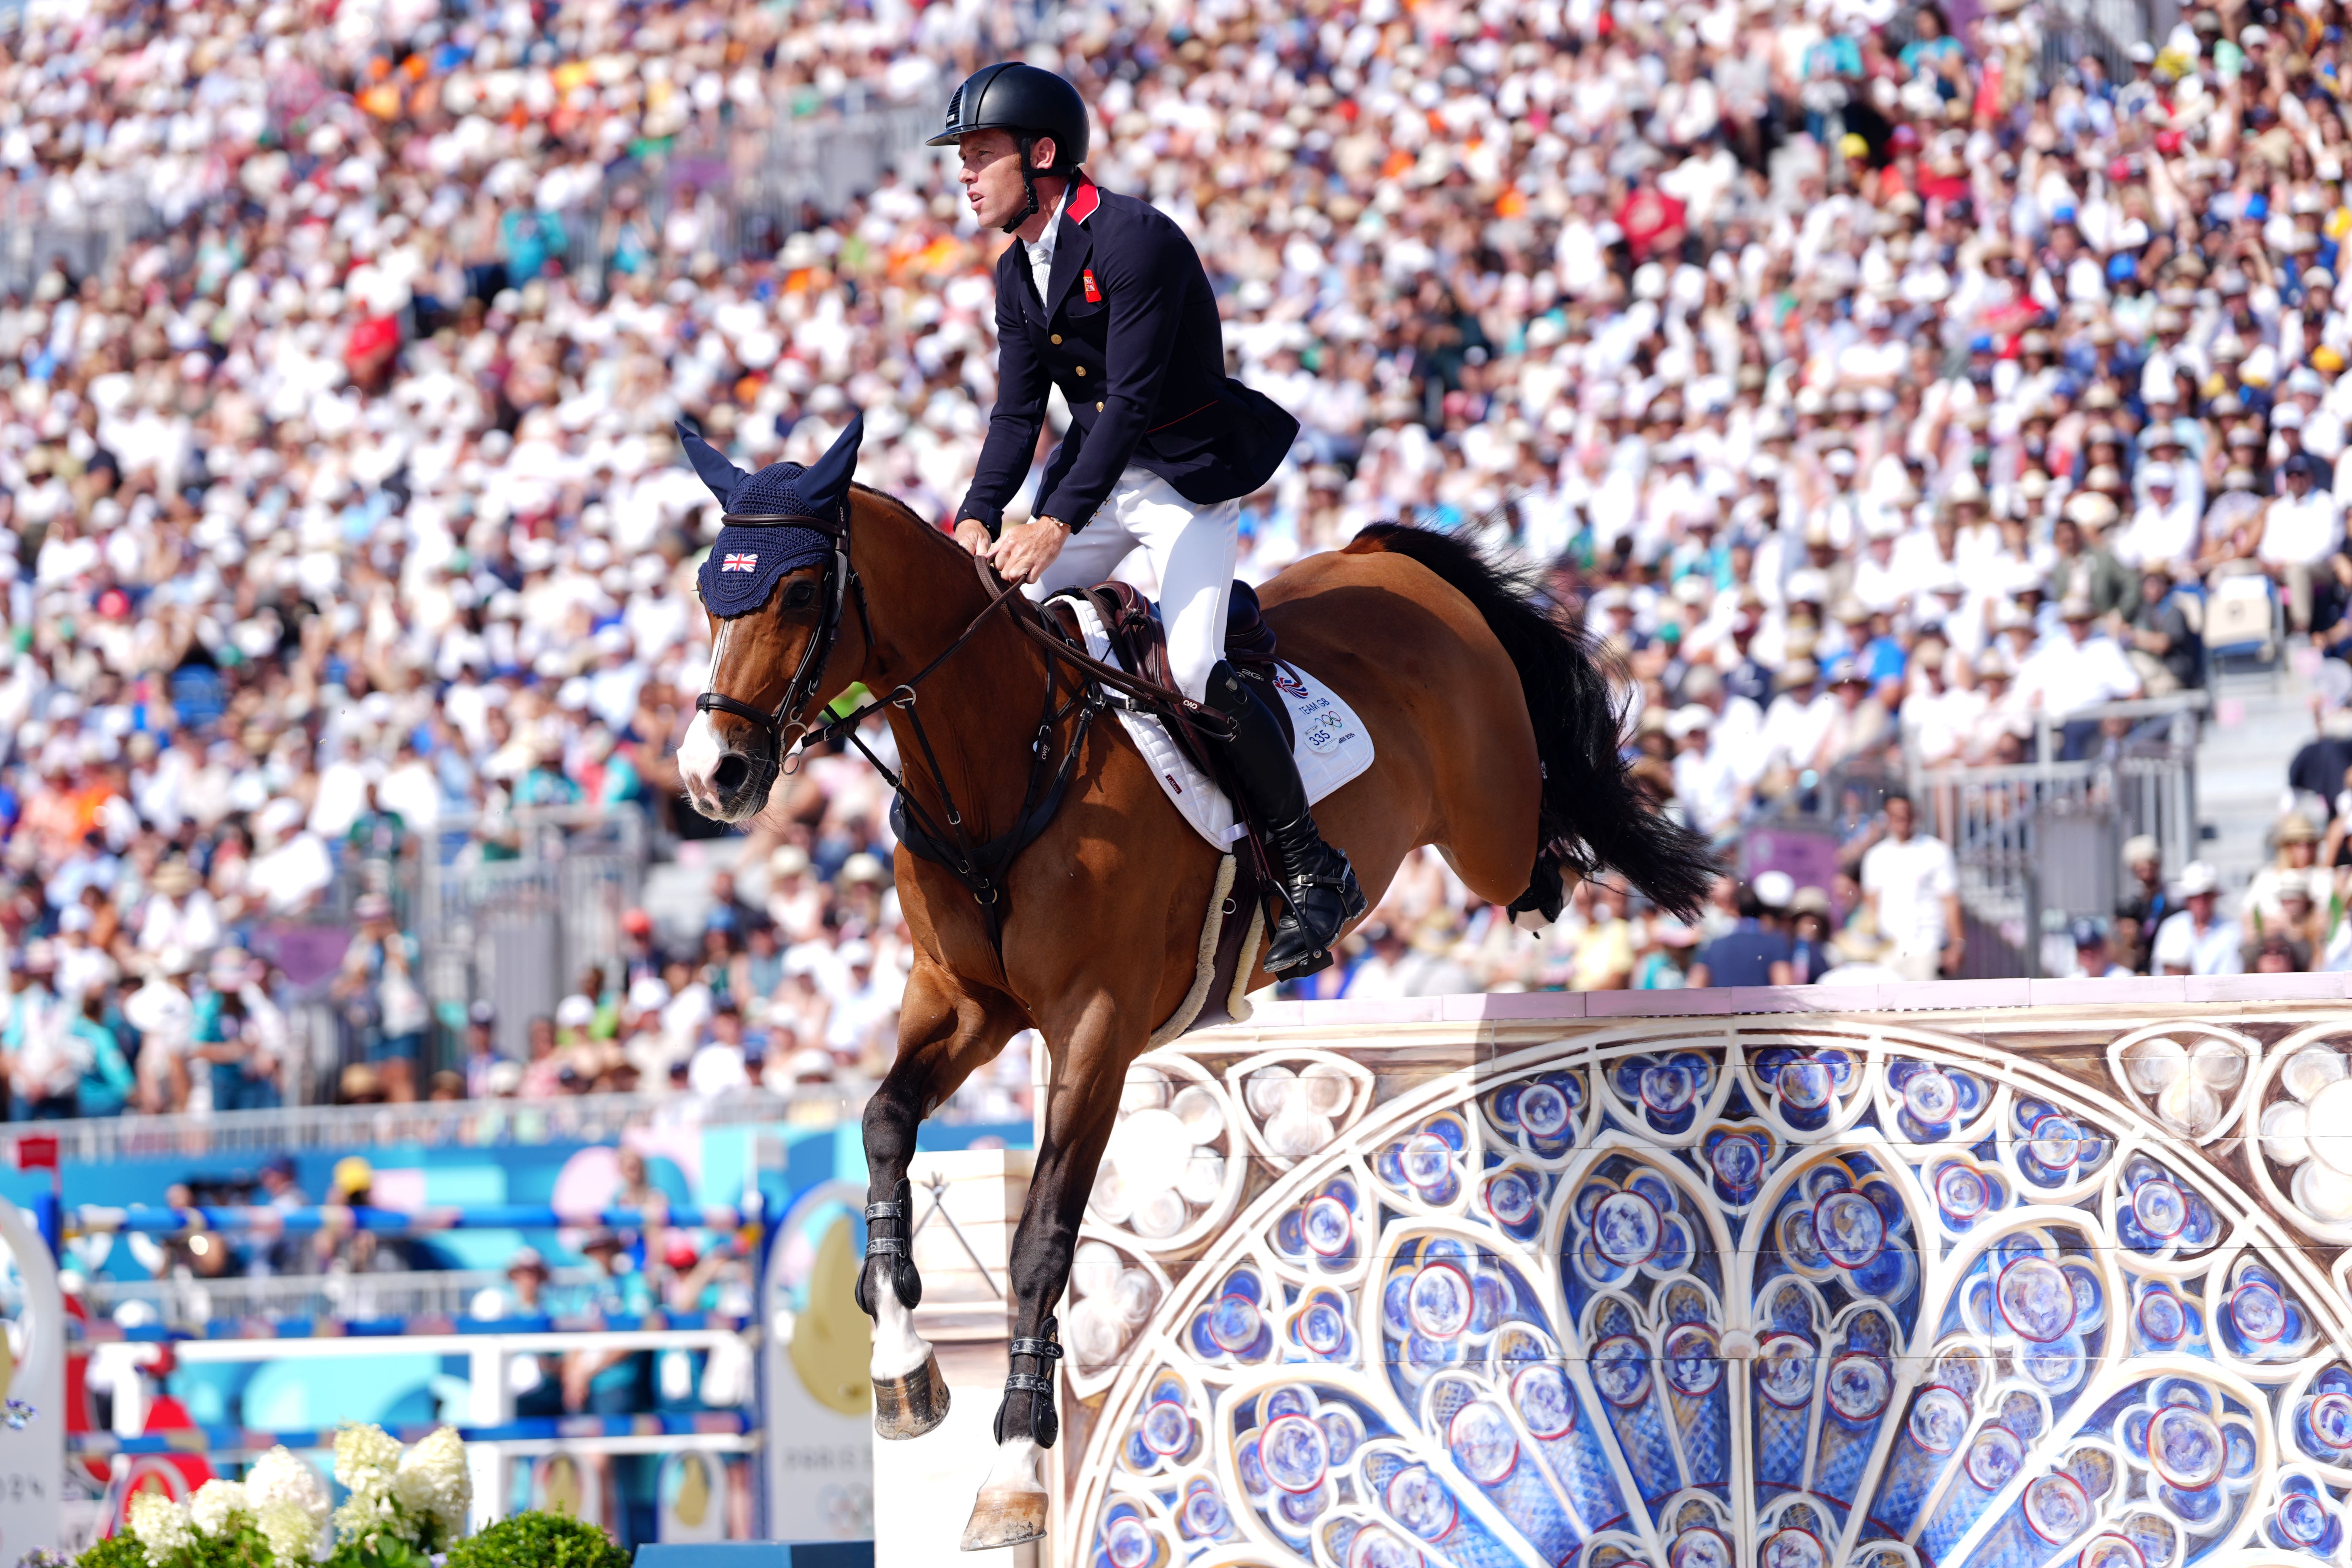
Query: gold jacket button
{"x": 1082, "y": 370}
{"x": 1057, "y": 337}
{"x": 1099, "y": 407}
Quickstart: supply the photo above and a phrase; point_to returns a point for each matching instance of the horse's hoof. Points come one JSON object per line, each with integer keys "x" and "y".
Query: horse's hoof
{"x": 911, "y": 1406}
{"x": 1001, "y": 1516}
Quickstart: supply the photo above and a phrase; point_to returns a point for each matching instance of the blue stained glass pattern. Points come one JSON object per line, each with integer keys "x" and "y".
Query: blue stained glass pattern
{"x": 1775, "y": 1299}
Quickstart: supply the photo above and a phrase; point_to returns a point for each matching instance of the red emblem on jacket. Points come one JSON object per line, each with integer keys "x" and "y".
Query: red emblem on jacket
{"x": 1093, "y": 294}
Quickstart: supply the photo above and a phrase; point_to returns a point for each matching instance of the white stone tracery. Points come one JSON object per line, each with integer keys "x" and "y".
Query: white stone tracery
{"x": 1706, "y": 1296}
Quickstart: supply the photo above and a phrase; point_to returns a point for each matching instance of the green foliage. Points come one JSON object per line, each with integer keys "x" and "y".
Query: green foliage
{"x": 114, "y": 1552}
{"x": 241, "y": 1547}
{"x": 539, "y": 1540}
{"x": 387, "y": 1552}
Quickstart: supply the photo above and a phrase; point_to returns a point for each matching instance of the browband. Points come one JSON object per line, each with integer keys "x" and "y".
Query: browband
{"x": 831, "y": 527}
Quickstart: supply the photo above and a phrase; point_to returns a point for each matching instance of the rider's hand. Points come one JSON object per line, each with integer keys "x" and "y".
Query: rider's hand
{"x": 972, "y": 535}
{"x": 1023, "y": 551}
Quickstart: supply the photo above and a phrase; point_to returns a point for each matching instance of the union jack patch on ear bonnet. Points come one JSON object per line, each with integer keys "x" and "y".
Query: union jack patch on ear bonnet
{"x": 750, "y": 558}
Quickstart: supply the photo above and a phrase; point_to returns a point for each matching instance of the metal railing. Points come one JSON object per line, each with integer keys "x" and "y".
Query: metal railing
{"x": 2139, "y": 777}
{"x": 485, "y": 1123}
{"x": 519, "y": 932}
{"x": 462, "y": 1123}
{"x": 2105, "y": 29}
{"x": 819, "y": 159}
{"x": 186, "y": 1301}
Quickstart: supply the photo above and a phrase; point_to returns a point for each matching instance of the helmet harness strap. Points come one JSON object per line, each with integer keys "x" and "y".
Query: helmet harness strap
{"x": 1028, "y": 185}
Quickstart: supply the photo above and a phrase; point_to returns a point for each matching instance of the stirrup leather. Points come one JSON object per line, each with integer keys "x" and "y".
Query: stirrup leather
{"x": 1045, "y": 1420}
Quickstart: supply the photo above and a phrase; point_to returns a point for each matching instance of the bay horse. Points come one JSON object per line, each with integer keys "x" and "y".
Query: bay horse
{"x": 1496, "y": 739}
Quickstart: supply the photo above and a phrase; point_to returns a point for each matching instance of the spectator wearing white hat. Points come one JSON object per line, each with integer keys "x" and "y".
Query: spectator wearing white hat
{"x": 178, "y": 911}
{"x": 2195, "y": 940}
{"x": 2165, "y": 527}
{"x": 865, "y": 1010}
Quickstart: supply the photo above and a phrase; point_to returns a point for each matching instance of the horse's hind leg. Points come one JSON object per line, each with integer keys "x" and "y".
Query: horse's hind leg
{"x": 944, "y": 1032}
{"x": 1083, "y": 1105}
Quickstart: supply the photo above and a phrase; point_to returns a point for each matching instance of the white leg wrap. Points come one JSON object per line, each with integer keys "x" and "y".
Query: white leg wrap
{"x": 1015, "y": 1467}
{"x": 897, "y": 1349}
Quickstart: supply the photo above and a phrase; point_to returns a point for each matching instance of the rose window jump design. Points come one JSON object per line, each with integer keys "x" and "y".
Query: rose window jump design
{"x": 1781, "y": 1299}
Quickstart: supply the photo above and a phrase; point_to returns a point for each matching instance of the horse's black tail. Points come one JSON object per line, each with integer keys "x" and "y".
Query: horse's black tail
{"x": 1593, "y": 818}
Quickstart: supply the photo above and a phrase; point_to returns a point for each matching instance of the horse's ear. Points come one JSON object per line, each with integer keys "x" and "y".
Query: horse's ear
{"x": 826, "y": 485}
{"x": 720, "y": 475}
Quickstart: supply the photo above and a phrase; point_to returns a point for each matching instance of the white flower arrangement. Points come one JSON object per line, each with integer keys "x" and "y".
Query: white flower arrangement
{"x": 164, "y": 1527}
{"x": 410, "y": 1504}
{"x": 435, "y": 1488}
{"x": 367, "y": 1462}
{"x": 295, "y": 1539}
{"x": 283, "y": 1479}
{"x": 212, "y": 1509}
{"x": 291, "y": 1507}
{"x": 161, "y": 1525}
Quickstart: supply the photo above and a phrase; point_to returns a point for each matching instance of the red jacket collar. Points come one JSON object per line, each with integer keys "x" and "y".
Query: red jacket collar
{"x": 1083, "y": 201}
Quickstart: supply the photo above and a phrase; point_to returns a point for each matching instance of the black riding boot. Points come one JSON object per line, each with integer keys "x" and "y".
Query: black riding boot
{"x": 1320, "y": 894}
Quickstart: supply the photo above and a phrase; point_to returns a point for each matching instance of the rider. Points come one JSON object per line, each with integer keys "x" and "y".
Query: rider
{"x": 1106, "y": 298}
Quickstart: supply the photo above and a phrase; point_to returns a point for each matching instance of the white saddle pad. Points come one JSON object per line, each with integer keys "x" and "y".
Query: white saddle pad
{"x": 1330, "y": 744}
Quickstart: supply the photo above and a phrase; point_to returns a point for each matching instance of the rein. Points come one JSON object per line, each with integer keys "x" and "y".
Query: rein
{"x": 980, "y": 867}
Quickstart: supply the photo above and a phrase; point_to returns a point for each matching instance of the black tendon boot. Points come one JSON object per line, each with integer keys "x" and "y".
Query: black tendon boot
{"x": 1319, "y": 887}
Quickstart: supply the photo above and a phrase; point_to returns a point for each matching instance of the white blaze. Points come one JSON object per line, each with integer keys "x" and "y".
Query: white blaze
{"x": 699, "y": 752}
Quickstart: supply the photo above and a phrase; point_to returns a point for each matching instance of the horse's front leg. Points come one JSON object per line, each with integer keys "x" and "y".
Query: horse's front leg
{"x": 1082, "y": 1107}
{"x": 944, "y": 1032}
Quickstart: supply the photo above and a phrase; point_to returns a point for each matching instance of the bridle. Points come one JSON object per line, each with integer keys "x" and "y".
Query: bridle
{"x": 980, "y": 868}
{"x": 839, "y": 580}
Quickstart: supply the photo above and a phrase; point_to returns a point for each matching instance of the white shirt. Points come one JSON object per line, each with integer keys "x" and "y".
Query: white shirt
{"x": 2180, "y": 945}
{"x": 2069, "y": 676}
{"x": 1911, "y": 878}
{"x": 2161, "y": 534}
{"x": 292, "y": 872}
{"x": 193, "y": 923}
{"x": 1706, "y": 784}
{"x": 1041, "y": 249}
{"x": 1936, "y": 724}
{"x": 2302, "y": 532}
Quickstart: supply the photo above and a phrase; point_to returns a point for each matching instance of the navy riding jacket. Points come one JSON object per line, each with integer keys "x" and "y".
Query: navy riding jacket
{"x": 1128, "y": 332}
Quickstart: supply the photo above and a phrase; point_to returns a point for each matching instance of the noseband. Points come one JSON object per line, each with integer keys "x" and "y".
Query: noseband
{"x": 834, "y": 588}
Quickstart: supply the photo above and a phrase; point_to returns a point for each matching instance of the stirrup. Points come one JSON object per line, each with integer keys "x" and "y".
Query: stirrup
{"x": 1045, "y": 1420}
{"x": 1348, "y": 893}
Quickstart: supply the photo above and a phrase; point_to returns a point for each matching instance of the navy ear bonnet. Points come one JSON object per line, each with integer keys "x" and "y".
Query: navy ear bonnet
{"x": 744, "y": 566}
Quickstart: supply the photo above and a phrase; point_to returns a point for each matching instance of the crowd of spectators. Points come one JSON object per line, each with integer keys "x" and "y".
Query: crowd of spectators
{"x": 1860, "y": 381}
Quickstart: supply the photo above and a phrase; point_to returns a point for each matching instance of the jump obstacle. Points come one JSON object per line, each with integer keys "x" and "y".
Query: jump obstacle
{"x": 2011, "y": 1274}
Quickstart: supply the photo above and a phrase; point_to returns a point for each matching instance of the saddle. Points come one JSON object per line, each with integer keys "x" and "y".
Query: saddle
{"x": 1139, "y": 641}
{"x": 1139, "y": 644}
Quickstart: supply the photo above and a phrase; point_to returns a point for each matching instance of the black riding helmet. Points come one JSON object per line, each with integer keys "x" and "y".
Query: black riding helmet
{"x": 1029, "y": 102}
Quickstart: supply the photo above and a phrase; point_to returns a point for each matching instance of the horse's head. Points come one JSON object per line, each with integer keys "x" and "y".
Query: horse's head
{"x": 774, "y": 586}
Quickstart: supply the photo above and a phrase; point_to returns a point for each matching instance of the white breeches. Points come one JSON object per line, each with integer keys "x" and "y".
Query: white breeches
{"x": 1192, "y": 549}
